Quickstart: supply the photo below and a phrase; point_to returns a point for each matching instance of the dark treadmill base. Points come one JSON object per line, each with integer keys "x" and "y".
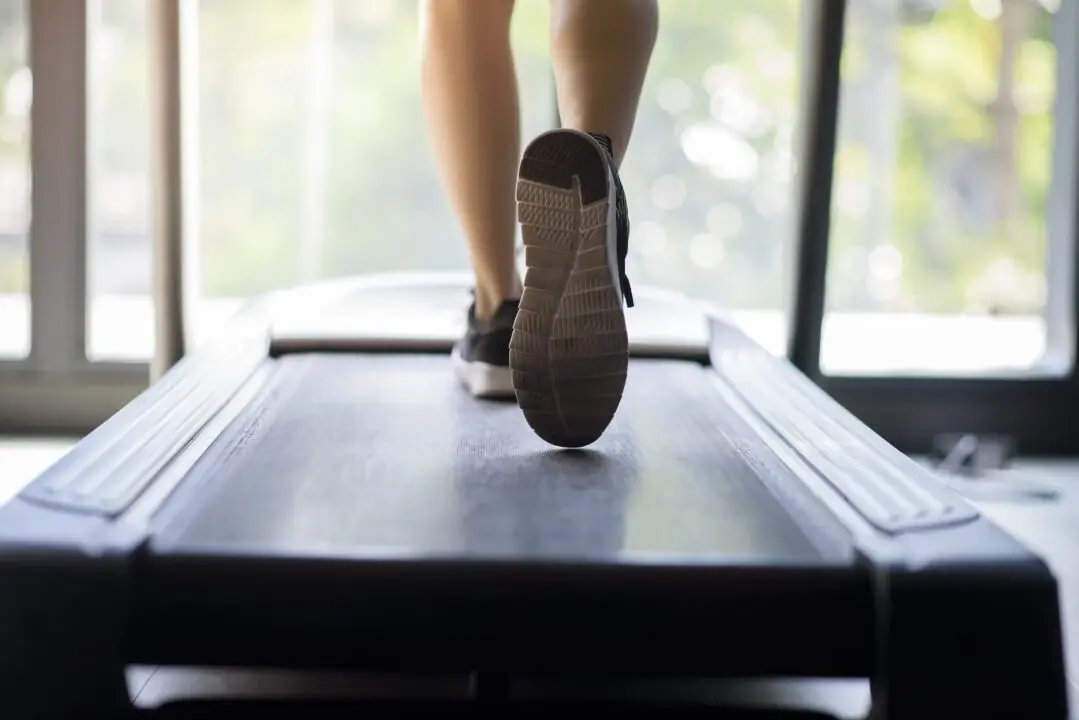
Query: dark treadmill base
{"x": 434, "y": 526}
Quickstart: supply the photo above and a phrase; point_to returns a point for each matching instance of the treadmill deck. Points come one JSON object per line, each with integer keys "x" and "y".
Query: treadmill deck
{"x": 385, "y": 455}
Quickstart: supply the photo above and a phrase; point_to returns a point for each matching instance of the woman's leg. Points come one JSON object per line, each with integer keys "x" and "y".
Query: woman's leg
{"x": 470, "y": 100}
{"x": 601, "y": 52}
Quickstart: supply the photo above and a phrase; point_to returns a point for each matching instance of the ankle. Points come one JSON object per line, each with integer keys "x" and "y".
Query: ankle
{"x": 487, "y": 305}
{"x": 484, "y": 306}
{"x": 615, "y": 152}
{"x": 489, "y": 300}
{"x": 605, "y": 141}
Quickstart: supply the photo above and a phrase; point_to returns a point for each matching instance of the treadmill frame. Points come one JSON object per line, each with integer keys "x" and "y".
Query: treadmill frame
{"x": 967, "y": 620}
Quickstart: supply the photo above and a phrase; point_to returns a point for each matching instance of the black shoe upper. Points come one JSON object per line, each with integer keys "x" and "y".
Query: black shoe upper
{"x": 488, "y": 341}
{"x": 621, "y": 219}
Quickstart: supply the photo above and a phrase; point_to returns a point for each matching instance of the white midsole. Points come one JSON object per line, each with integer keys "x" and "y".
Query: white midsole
{"x": 483, "y": 379}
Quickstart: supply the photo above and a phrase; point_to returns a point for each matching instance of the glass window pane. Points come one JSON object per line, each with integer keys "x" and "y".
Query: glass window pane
{"x": 709, "y": 171}
{"x": 15, "y": 92}
{"x": 119, "y": 252}
{"x": 938, "y": 244}
{"x": 313, "y": 156}
{"x": 337, "y": 181}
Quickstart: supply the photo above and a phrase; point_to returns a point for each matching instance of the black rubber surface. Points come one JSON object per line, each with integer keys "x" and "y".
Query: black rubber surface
{"x": 387, "y": 454}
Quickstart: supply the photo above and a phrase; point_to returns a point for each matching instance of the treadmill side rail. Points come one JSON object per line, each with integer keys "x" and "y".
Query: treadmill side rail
{"x": 885, "y": 487}
{"x": 109, "y": 469}
{"x": 64, "y": 606}
{"x": 979, "y": 641}
{"x": 68, "y": 541}
{"x": 967, "y": 619}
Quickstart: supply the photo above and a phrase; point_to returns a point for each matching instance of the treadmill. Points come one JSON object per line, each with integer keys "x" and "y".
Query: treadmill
{"x": 312, "y": 489}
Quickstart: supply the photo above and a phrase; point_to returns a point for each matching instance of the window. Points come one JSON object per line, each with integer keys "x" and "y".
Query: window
{"x": 904, "y": 376}
{"x": 119, "y": 272}
{"x": 311, "y": 165}
{"x": 15, "y": 95}
{"x": 939, "y": 233}
{"x": 709, "y": 173}
{"x": 943, "y": 171}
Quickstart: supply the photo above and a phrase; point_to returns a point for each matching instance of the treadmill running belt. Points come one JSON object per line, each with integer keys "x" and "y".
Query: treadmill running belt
{"x": 384, "y": 454}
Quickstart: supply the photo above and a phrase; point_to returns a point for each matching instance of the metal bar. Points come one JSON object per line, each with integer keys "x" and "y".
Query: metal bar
{"x": 167, "y": 184}
{"x": 58, "y": 144}
{"x": 1061, "y": 268}
{"x": 190, "y": 144}
{"x": 820, "y": 114}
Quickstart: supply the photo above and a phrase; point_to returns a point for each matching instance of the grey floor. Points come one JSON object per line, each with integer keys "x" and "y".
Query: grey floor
{"x": 1038, "y": 501}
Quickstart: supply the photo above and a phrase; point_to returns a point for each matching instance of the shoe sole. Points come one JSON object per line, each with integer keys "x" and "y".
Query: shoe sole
{"x": 483, "y": 380}
{"x": 569, "y": 353}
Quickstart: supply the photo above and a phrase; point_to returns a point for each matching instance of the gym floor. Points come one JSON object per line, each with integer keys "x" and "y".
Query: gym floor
{"x": 1050, "y": 527}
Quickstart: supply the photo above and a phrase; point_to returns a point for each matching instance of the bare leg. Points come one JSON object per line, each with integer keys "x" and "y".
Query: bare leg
{"x": 470, "y": 99}
{"x": 601, "y": 50}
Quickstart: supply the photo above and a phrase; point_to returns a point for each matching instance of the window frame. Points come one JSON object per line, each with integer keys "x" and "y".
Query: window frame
{"x": 1037, "y": 413}
{"x": 57, "y": 389}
